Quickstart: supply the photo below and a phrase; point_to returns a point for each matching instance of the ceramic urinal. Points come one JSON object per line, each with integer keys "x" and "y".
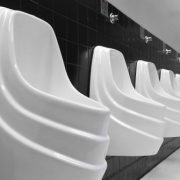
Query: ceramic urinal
{"x": 133, "y": 129}
{"x": 148, "y": 84}
{"x": 177, "y": 84}
{"x": 48, "y": 130}
{"x": 167, "y": 80}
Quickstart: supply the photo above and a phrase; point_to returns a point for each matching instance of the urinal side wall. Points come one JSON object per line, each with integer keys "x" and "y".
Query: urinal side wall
{"x": 79, "y": 27}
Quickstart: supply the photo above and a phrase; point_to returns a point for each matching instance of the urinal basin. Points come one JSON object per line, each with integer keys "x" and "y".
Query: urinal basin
{"x": 39, "y": 102}
{"x": 167, "y": 82}
{"x": 148, "y": 84}
{"x": 110, "y": 84}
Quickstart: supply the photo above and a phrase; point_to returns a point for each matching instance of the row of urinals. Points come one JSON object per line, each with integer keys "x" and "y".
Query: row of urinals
{"x": 142, "y": 116}
{"x": 48, "y": 130}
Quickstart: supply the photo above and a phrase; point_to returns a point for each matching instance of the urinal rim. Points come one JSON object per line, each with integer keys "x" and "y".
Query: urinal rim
{"x": 99, "y": 107}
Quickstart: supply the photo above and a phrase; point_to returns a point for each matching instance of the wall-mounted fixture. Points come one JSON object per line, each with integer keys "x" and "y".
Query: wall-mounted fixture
{"x": 177, "y": 57}
{"x": 165, "y": 50}
{"x": 113, "y": 18}
{"x": 104, "y": 8}
{"x": 147, "y": 39}
{"x": 144, "y": 37}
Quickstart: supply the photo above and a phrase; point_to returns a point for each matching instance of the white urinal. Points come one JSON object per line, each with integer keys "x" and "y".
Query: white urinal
{"x": 148, "y": 84}
{"x": 167, "y": 80}
{"x": 133, "y": 129}
{"x": 48, "y": 130}
{"x": 176, "y": 84}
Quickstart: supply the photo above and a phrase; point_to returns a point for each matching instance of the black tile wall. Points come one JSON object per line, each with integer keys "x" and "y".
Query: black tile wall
{"x": 79, "y": 27}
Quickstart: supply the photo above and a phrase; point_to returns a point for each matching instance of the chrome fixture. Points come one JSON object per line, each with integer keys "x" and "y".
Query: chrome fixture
{"x": 144, "y": 37}
{"x": 177, "y": 57}
{"x": 167, "y": 51}
{"x": 113, "y": 18}
{"x": 147, "y": 39}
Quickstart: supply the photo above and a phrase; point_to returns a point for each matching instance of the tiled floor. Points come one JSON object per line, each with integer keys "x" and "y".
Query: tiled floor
{"x": 169, "y": 169}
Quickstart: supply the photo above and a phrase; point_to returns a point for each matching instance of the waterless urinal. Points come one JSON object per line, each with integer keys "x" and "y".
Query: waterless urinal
{"x": 176, "y": 84}
{"x": 48, "y": 130}
{"x": 148, "y": 84}
{"x": 167, "y": 80}
{"x": 133, "y": 130}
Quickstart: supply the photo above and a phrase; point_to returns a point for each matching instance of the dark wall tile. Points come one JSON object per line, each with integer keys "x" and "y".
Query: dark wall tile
{"x": 46, "y": 15}
{"x": 13, "y": 4}
{"x": 61, "y": 6}
{"x": 82, "y": 35}
{"x": 82, "y": 15}
{"x": 30, "y": 7}
{"x": 46, "y": 3}
{"x": 72, "y": 53}
{"x": 91, "y": 19}
{"x": 72, "y": 32}
{"x": 60, "y": 26}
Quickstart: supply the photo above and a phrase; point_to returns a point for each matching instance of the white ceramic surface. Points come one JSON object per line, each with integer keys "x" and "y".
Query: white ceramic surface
{"x": 177, "y": 83}
{"x": 160, "y": 17}
{"x": 137, "y": 125}
{"x": 148, "y": 84}
{"x": 48, "y": 130}
{"x": 167, "y": 80}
